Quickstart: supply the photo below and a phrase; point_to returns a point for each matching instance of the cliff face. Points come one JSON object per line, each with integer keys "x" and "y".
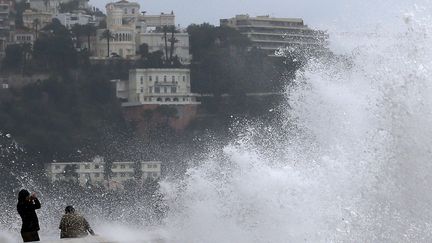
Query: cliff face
{"x": 147, "y": 117}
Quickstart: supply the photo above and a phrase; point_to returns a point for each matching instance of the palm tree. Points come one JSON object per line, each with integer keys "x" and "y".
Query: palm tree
{"x": 36, "y": 23}
{"x": 165, "y": 30}
{"x": 107, "y": 34}
{"x": 77, "y": 30}
{"x": 89, "y": 30}
{"x": 172, "y": 40}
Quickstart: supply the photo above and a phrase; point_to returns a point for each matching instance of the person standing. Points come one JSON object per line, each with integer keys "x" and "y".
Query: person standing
{"x": 26, "y": 207}
{"x": 73, "y": 225}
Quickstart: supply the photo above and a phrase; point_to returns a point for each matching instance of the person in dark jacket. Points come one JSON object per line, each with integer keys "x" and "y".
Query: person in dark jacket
{"x": 73, "y": 225}
{"x": 26, "y": 207}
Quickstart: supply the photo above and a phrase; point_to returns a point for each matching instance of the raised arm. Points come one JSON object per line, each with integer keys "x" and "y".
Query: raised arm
{"x": 36, "y": 204}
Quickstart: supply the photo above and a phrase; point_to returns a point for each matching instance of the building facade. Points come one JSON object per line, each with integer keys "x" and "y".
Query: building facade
{"x": 160, "y": 86}
{"x": 71, "y": 19}
{"x": 94, "y": 172}
{"x": 268, "y": 33}
{"x": 7, "y": 23}
{"x": 130, "y": 28}
{"x": 36, "y": 20}
{"x": 22, "y": 37}
{"x": 121, "y": 24}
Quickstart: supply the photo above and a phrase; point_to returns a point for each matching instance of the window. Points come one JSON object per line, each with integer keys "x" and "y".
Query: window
{"x": 149, "y": 166}
{"x": 157, "y": 90}
{"x": 165, "y": 89}
{"x": 173, "y": 90}
{"x": 125, "y": 10}
{"x": 155, "y": 166}
{"x": 96, "y": 166}
{"x": 122, "y": 174}
{"x": 150, "y": 89}
{"x": 87, "y": 166}
{"x": 114, "y": 166}
{"x": 165, "y": 78}
{"x": 122, "y": 166}
{"x": 141, "y": 80}
{"x": 184, "y": 78}
{"x": 150, "y": 78}
{"x": 142, "y": 90}
{"x": 133, "y": 11}
{"x": 157, "y": 78}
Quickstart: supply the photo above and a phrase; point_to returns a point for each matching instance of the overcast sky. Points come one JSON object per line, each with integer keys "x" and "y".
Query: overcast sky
{"x": 316, "y": 13}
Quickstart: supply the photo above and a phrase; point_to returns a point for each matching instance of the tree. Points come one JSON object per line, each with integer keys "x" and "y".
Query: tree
{"x": 107, "y": 34}
{"x": 36, "y": 23}
{"x": 143, "y": 50}
{"x": 89, "y": 30}
{"x": 165, "y": 30}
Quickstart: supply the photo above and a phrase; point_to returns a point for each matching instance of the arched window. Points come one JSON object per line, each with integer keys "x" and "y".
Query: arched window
{"x": 165, "y": 78}
{"x": 159, "y": 99}
{"x": 167, "y": 99}
{"x": 176, "y": 99}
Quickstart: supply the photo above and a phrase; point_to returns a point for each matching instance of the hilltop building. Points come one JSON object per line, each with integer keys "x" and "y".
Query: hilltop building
{"x": 94, "y": 172}
{"x": 36, "y": 20}
{"x": 53, "y": 6}
{"x": 130, "y": 28}
{"x": 269, "y": 33}
{"x": 7, "y": 23}
{"x": 71, "y": 19}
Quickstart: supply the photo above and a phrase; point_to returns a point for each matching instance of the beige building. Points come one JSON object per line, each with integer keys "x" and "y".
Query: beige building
{"x": 22, "y": 37}
{"x": 53, "y": 6}
{"x": 130, "y": 29}
{"x": 121, "y": 22}
{"x": 94, "y": 172}
{"x": 160, "y": 86}
{"x": 36, "y": 20}
{"x": 270, "y": 33}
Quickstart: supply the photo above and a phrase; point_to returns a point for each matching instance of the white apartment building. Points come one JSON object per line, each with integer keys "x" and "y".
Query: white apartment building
{"x": 160, "y": 86}
{"x": 94, "y": 172}
{"x": 270, "y": 33}
{"x": 70, "y": 19}
{"x": 53, "y": 6}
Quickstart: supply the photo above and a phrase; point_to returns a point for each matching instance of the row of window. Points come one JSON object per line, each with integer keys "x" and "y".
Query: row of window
{"x": 23, "y": 38}
{"x": 157, "y": 90}
{"x": 159, "y": 99}
{"x": 115, "y": 174}
{"x": 57, "y": 167}
{"x": 165, "y": 78}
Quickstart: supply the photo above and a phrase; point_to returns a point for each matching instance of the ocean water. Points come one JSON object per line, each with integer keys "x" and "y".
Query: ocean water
{"x": 348, "y": 158}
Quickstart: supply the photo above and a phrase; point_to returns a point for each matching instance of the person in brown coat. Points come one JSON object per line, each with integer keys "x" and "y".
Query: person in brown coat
{"x": 73, "y": 225}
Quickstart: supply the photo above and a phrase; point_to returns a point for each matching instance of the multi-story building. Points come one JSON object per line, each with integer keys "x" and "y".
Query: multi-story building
{"x": 121, "y": 25}
{"x": 160, "y": 86}
{"x": 7, "y": 23}
{"x": 53, "y": 6}
{"x": 130, "y": 29}
{"x": 270, "y": 33}
{"x": 94, "y": 172}
{"x": 70, "y": 19}
{"x": 22, "y": 36}
{"x": 36, "y": 20}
